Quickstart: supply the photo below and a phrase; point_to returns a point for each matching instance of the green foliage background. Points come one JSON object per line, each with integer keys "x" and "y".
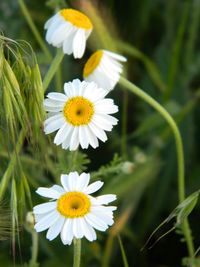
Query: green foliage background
{"x": 138, "y": 162}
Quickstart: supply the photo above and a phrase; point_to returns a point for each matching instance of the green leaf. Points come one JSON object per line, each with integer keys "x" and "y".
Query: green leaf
{"x": 186, "y": 207}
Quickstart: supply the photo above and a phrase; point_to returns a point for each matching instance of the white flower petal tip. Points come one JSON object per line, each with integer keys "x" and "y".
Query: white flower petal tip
{"x": 75, "y": 213}
{"x": 104, "y": 68}
{"x": 80, "y": 116}
{"x": 69, "y": 29}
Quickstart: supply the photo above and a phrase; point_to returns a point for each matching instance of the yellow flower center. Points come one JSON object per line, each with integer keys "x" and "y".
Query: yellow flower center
{"x": 73, "y": 204}
{"x": 92, "y": 63}
{"x": 78, "y": 111}
{"x": 76, "y": 18}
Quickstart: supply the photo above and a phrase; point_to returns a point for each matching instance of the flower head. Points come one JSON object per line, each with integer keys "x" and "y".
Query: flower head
{"x": 104, "y": 68}
{"x": 73, "y": 212}
{"x": 69, "y": 29}
{"x": 81, "y": 115}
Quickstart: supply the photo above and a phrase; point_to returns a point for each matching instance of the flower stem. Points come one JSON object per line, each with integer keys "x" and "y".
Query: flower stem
{"x": 53, "y": 68}
{"x": 77, "y": 252}
{"x": 34, "y": 249}
{"x": 179, "y": 148}
{"x": 34, "y": 29}
{"x": 124, "y": 125}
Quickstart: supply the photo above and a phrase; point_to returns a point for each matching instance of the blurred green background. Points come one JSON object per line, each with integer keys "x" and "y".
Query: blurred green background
{"x": 138, "y": 162}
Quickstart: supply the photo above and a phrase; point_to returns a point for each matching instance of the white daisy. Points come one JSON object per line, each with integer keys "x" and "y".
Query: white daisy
{"x": 69, "y": 29}
{"x": 73, "y": 213}
{"x": 81, "y": 115}
{"x": 104, "y": 68}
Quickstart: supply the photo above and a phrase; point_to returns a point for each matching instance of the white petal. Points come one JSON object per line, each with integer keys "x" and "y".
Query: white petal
{"x": 58, "y": 188}
{"x": 47, "y": 221}
{"x": 105, "y": 209}
{"x": 72, "y": 180}
{"x": 67, "y": 45}
{"x": 105, "y": 199}
{"x": 68, "y": 89}
{"x": 105, "y": 106}
{"x": 61, "y": 33}
{"x": 99, "y": 122}
{"x": 53, "y": 103}
{"x": 53, "y": 118}
{"x": 67, "y": 232}
{"x": 93, "y": 92}
{"x": 74, "y": 142}
{"x": 52, "y": 27}
{"x": 49, "y": 21}
{"x": 93, "y": 187}
{"x": 54, "y": 125}
{"x": 68, "y": 135}
{"x": 55, "y": 229}
{"x": 107, "y": 218}
{"x": 48, "y": 192}
{"x": 57, "y": 97}
{"x": 45, "y": 207}
{"x": 82, "y": 181}
{"x": 95, "y": 222}
{"x": 98, "y": 132}
{"x": 83, "y": 138}
{"x": 64, "y": 182}
{"x": 62, "y": 134}
{"x": 77, "y": 230}
{"x": 79, "y": 43}
{"x": 88, "y": 231}
{"x": 116, "y": 56}
{"x": 92, "y": 139}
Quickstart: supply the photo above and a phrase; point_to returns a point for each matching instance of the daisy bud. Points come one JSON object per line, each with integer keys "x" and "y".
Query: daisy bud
{"x": 128, "y": 167}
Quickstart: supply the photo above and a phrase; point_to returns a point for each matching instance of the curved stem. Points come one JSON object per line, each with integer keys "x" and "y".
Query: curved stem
{"x": 53, "y": 68}
{"x": 179, "y": 149}
{"x": 77, "y": 252}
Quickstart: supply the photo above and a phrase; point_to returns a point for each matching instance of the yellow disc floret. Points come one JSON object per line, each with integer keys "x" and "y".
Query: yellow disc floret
{"x": 92, "y": 63}
{"x": 73, "y": 204}
{"x": 76, "y": 18}
{"x": 78, "y": 111}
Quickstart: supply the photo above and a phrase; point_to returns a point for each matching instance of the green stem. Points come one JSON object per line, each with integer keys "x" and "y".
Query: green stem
{"x": 34, "y": 29}
{"x": 34, "y": 250}
{"x": 123, "y": 252}
{"x": 179, "y": 148}
{"x": 11, "y": 166}
{"x": 77, "y": 252}
{"x": 124, "y": 125}
{"x": 53, "y": 68}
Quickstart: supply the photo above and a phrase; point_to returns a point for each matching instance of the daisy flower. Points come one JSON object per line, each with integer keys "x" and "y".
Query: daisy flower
{"x": 69, "y": 29}
{"x": 104, "y": 68}
{"x": 81, "y": 115}
{"x": 72, "y": 211}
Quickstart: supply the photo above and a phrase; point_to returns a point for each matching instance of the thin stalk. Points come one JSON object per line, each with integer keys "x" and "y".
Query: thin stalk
{"x": 34, "y": 29}
{"x": 34, "y": 250}
{"x": 179, "y": 149}
{"x": 53, "y": 68}
{"x": 123, "y": 252}
{"x": 124, "y": 125}
{"x": 77, "y": 252}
